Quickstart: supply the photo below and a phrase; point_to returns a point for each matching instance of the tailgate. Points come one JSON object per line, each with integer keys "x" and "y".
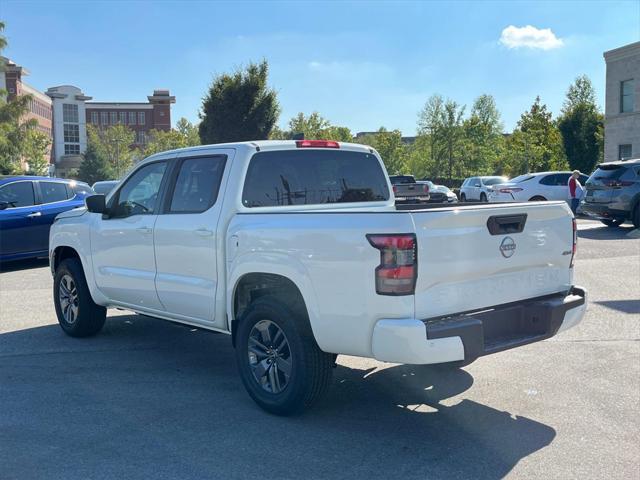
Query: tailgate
{"x": 484, "y": 256}
{"x": 409, "y": 190}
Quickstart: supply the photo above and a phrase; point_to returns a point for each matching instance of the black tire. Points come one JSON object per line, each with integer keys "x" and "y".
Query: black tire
{"x": 310, "y": 368}
{"x": 483, "y": 197}
{"x": 89, "y": 317}
{"x": 463, "y": 197}
{"x": 613, "y": 222}
{"x": 636, "y": 216}
{"x": 537, "y": 198}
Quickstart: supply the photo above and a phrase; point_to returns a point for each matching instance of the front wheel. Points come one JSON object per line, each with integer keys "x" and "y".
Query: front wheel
{"x": 483, "y": 197}
{"x": 280, "y": 363}
{"x": 613, "y": 222}
{"x": 463, "y": 197}
{"x": 77, "y": 313}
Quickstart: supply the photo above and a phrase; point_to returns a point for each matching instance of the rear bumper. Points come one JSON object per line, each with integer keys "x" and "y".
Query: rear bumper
{"x": 468, "y": 336}
{"x": 602, "y": 211}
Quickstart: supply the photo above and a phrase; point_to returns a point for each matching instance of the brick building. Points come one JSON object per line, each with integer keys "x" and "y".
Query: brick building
{"x": 73, "y": 111}
{"x": 40, "y": 106}
{"x": 622, "y": 103}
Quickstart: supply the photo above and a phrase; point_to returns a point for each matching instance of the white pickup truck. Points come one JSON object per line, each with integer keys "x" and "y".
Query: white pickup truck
{"x": 296, "y": 249}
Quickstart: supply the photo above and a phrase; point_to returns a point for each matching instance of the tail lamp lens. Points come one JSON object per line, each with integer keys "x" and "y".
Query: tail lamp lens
{"x": 398, "y": 269}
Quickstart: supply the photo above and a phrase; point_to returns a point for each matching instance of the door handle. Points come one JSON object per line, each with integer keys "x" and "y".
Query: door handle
{"x": 144, "y": 230}
{"x": 34, "y": 214}
{"x": 204, "y": 232}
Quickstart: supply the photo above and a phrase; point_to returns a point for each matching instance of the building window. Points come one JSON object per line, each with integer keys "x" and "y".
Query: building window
{"x": 71, "y": 149}
{"x": 94, "y": 118}
{"x": 71, "y": 133}
{"x": 104, "y": 118}
{"x": 132, "y": 118}
{"x": 123, "y": 118}
{"x": 70, "y": 112}
{"x": 626, "y": 96}
{"x": 624, "y": 152}
{"x": 141, "y": 119}
{"x": 141, "y": 138}
{"x": 114, "y": 118}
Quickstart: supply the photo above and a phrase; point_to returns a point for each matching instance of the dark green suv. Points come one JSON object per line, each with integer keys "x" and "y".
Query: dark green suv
{"x": 613, "y": 193}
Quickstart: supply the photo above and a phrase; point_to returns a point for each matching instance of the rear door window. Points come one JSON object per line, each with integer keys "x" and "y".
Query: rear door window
{"x": 53, "y": 192}
{"x": 18, "y": 194}
{"x": 197, "y": 185}
{"x": 549, "y": 180}
{"x": 313, "y": 177}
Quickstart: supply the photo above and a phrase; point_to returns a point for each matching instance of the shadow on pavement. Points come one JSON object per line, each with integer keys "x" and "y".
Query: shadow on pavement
{"x": 625, "y": 232}
{"x": 149, "y": 399}
{"x": 16, "y": 265}
{"x": 626, "y": 306}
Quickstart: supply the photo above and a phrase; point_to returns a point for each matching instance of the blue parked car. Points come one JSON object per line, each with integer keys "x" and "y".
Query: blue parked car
{"x": 28, "y": 206}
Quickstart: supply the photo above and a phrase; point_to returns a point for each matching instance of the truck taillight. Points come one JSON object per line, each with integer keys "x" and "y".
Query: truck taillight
{"x": 425, "y": 187}
{"x": 575, "y": 242}
{"x": 398, "y": 269}
{"x": 395, "y": 189}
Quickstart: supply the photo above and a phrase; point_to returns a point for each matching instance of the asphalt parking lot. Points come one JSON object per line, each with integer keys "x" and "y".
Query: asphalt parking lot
{"x": 150, "y": 399}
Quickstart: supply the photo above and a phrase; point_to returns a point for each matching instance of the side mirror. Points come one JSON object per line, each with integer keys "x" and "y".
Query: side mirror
{"x": 96, "y": 204}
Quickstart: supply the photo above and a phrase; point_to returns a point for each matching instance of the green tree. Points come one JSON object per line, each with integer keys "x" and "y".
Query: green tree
{"x": 390, "y": 147}
{"x": 95, "y": 166}
{"x": 430, "y": 132}
{"x": 115, "y": 144}
{"x": 189, "y": 131}
{"x": 34, "y": 152}
{"x": 452, "y": 136}
{"x": 239, "y": 107}
{"x": 314, "y": 126}
{"x": 536, "y": 143}
{"x": 484, "y": 141}
{"x": 579, "y": 124}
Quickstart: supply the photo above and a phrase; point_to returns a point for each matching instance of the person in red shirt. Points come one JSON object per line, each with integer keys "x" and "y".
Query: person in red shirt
{"x": 575, "y": 190}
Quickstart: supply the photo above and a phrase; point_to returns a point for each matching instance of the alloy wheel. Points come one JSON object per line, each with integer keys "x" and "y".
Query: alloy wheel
{"x": 269, "y": 356}
{"x": 68, "y": 298}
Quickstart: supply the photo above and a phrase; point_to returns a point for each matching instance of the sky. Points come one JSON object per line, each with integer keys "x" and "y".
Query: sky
{"x": 360, "y": 64}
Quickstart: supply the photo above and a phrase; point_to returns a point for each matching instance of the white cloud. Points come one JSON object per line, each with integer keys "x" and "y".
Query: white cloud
{"x": 530, "y": 37}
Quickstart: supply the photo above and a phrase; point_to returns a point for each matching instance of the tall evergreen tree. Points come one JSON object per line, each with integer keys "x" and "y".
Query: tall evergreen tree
{"x": 579, "y": 124}
{"x": 536, "y": 143}
{"x": 239, "y": 107}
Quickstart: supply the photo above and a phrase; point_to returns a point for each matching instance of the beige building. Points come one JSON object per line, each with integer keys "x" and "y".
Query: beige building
{"x": 622, "y": 103}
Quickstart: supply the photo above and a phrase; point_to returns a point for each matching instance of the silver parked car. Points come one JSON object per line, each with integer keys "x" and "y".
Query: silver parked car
{"x": 477, "y": 188}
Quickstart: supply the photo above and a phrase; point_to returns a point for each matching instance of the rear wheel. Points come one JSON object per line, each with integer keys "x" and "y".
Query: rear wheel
{"x": 636, "y": 216}
{"x": 280, "y": 363}
{"x": 613, "y": 222}
{"x": 537, "y": 198}
{"x": 77, "y": 313}
{"x": 483, "y": 197}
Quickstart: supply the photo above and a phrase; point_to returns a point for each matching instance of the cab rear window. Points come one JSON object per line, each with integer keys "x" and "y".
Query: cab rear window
{"x": 313, "y": 177}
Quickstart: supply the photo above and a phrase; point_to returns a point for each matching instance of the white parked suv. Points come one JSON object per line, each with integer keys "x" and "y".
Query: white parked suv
{"x": 477, "y": 188}
{"x": 534, "y": 187}
{"x": 297, "y": 251}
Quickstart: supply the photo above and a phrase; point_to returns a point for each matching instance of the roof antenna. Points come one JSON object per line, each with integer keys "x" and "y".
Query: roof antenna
{"x": 298, "y": 136}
